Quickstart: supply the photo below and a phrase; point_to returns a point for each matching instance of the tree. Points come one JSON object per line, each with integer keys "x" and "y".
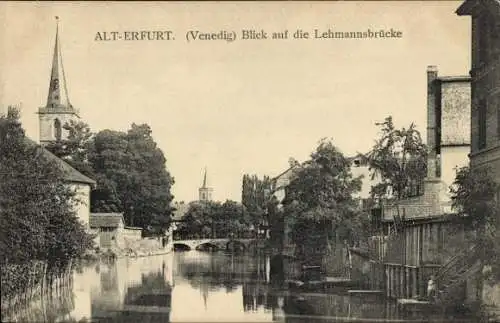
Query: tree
{"x": 255, "y": 196}
{"x": 76, "y": 148}
{"x": 474, "y": 197}
{"x": 399, "y": 158}
{"x": 214, "y": 219}
{"x": 320, "y": 199}
{"x": 132, "y": 177}
{"x": 37, "y": 207}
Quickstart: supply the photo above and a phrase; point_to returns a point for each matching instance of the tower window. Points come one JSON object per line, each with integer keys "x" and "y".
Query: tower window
{"x": 57, "y": 129}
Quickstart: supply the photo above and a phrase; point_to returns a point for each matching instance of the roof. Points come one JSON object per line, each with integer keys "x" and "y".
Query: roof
{"x": 459, "y": 78}
{"x": 468, "y": 6}
{"x": 109, "y": 220}
{"x": 70, "y": 174}
{"x": 180, "y": 211}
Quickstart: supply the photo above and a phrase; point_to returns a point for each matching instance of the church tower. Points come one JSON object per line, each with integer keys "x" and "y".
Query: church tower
{"x": 58, "y": 110}
{"x": 205, "y": 192}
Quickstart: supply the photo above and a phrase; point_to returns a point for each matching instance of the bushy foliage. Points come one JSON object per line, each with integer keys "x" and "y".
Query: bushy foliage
{"x": 129, "y": 169}
{"x": 212, "y": 219}
{"x": 320, "y": 201}
{"x": 398, "y": 159}
{"x": 37, "y": 207}
{"x": 474, "y": 196}
{"x": 255, "y": 196}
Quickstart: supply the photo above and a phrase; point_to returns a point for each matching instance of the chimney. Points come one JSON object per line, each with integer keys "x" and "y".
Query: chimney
{"x": 431, "y": 168}
{"x": 431, "y": 110}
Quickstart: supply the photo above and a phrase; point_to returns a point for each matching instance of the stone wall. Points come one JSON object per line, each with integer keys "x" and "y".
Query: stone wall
{"x": 455, "y": 112}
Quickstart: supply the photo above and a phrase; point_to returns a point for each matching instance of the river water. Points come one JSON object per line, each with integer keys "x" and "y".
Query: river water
{"x": 195, "y": 286}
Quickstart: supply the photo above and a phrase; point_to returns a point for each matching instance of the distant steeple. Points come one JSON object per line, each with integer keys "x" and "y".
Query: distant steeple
{"x": 58, "y": 109}
{"x": 205, "y": 192}
{"x": 204, "y": 179}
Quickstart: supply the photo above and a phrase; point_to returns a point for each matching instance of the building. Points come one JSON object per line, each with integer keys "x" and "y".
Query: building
{"x": 58, "y": 110}
{"x": 52, "y": 117}
{"x": 448, "y": 142}
{"x": 78, "y": 182}
{"x": 485, "y": 83}
{"x": 205, "y": 192}
{"x": 417, "y": 225}
{"x": 485, "y": 111}
{"x": 111, "y": 230}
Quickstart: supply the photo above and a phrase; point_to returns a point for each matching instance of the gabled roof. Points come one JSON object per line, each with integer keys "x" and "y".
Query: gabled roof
{"x": 109, "y": 220}
{"x": 284, "y": 178}
{"x": 70, "y": 174}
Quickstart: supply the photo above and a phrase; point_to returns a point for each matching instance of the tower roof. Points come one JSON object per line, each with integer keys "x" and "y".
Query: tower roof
{"x": 204, "y": 179}
{"x": 58, "y": 99}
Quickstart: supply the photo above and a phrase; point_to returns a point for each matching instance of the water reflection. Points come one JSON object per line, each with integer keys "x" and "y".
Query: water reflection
{"x": 194, "y": 287}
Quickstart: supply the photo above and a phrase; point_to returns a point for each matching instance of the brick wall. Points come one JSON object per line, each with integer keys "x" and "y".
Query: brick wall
{"x": 426, "y": 205}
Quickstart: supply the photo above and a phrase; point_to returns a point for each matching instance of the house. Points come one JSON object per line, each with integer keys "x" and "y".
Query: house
{"x": 417, "y": 226}
{"x": 80, "y": 183}
{"x": 485, "y": 112}
{"x": 485, "y": 83}
{"x": 111, "y": 230}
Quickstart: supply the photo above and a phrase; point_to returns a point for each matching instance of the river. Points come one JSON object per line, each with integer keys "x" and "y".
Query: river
{"x": 195, "y": 286}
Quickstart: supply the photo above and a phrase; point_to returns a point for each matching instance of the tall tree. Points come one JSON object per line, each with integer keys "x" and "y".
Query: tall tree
{"x": 37, "y": 207}
{"x": 399, "y": 158}
{"x": 474, "y": 198}
{"x": 129, "y": 169}
{"x": 320, "y": 199}
{"x": 132, "y": 177}
{"x": 255, "y": 195}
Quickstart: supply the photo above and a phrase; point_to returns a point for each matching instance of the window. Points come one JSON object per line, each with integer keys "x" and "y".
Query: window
{"x": 481, "y": 119}
{"x": 57, "y": 129}
{"x": 415, "y": 188}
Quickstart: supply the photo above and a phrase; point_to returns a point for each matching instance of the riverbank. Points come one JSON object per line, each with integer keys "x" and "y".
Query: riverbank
{"x": 133, "y": 249}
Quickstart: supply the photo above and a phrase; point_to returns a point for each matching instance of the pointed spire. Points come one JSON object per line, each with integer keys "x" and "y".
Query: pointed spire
{"x": 204, "y": 179}
{"x": 58, "y": 92}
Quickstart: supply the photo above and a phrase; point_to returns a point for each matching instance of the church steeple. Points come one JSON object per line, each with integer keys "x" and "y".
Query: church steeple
{"x": 205, "y": 192}
{"x": 58, "y": 92}
{"x": 58, "y": 109}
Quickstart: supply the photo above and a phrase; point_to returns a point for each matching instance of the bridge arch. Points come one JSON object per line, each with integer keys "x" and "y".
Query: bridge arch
{"x": 235, "y": 245}
{"x": 207, "y": 246}
{"x": 179, "y": 246}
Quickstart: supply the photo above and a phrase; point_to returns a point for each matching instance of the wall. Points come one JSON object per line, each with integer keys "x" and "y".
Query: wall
{"x": 83, "y": 207}
{"x": 455, "y": 112}
{"x": 421, "y": 206}
{"x": 46, "y": 124}
{"x": 366, "y": 179}
{"x": 451, "y": 158}
{"x": 133, "y": 234}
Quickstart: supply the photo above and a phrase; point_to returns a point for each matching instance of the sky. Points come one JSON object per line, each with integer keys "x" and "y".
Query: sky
{"x": 238, "y": 107}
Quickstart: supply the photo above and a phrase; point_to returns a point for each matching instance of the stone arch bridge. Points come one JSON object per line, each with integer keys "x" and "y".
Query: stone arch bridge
{"x": 215, "y": 244}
